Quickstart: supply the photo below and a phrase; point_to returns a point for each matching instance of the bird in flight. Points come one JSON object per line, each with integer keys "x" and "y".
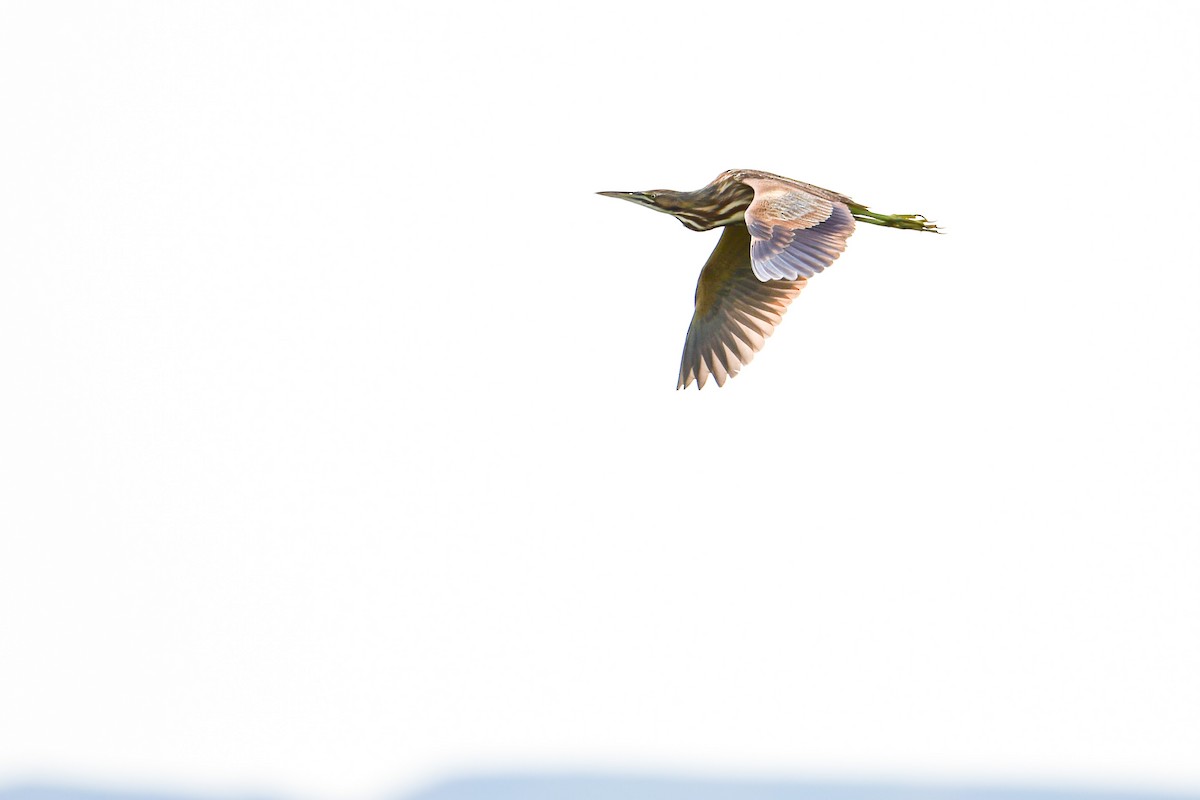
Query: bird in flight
{"x": 778, "y": 234}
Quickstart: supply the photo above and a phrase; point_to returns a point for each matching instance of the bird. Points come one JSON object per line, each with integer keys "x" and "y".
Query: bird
{"x": 779, "y": 232}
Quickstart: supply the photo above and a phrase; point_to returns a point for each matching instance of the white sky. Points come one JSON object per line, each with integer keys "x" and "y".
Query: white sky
{"x": 341, "y": 448}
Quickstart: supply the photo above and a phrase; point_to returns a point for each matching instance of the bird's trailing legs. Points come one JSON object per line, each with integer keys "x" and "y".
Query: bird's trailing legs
{"x": 912, "y": 222}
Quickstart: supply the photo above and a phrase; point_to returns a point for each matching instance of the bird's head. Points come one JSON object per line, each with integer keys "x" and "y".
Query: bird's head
{"x": 701, "y": 210}
{"x": 664, "y": 200}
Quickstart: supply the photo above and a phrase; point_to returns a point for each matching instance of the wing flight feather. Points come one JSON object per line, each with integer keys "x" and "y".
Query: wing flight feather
{"x": 735, "y": 312}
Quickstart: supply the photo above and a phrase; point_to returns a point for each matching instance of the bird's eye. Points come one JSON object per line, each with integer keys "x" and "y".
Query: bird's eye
{"x": 652, "y": 195}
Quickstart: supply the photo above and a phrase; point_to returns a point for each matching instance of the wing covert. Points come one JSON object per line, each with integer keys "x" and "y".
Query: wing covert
{"x": 794, "y": 233}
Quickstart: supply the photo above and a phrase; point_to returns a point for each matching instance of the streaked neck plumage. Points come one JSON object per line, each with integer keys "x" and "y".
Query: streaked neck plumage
{"x": 722, "y": 202}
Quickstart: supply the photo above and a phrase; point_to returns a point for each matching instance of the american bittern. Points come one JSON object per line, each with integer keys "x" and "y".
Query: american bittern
{"x": 778, "y": 234}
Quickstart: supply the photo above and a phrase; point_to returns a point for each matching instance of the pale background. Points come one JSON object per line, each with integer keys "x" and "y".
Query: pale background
{"x": 341, "y": 449}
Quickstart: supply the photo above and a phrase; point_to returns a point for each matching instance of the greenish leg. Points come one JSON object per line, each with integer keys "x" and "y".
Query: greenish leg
{"x": 911, "y": 222}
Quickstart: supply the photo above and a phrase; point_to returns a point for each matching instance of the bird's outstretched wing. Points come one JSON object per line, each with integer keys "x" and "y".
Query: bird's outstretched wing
{"x": 795, "y": 232}
{"x": 735, "y": 312}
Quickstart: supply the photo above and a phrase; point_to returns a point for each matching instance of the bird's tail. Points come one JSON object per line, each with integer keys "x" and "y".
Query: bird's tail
{"x": 909, "y": 222}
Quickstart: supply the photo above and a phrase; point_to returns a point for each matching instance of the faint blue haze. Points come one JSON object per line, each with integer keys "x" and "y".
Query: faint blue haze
{"x": 615, "y": 787}
{"x": 600, "y": 787}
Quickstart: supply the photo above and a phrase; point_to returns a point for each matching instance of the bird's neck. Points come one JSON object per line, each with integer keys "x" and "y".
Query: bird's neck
{"x": 720, "y": 203}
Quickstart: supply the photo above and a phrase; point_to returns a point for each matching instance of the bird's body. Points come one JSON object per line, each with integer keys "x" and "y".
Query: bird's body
{"x": 778, "y": 233}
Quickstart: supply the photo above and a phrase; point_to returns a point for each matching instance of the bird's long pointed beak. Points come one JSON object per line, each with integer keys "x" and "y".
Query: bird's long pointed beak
{"x": 644, "y": 199}
{"x": 634, "y": 197}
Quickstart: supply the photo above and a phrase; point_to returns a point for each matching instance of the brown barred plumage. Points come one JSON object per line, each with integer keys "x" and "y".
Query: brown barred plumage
{"x": 778, "y": 233}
